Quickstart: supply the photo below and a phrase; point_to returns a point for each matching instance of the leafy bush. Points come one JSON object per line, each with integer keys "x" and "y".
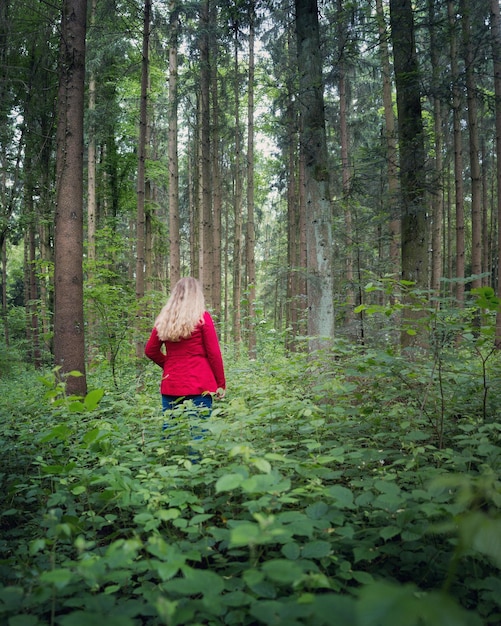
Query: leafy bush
{"x": 357, "y": 490}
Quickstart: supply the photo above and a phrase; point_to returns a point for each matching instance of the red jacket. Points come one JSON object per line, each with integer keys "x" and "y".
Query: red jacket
{"x": 190, "y": 366}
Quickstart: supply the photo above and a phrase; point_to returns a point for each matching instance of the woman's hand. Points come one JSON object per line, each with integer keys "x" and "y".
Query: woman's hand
{"x": 220, "y": 393}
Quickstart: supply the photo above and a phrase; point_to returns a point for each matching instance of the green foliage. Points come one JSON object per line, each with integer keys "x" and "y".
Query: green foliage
{"x": 320, "y": 489}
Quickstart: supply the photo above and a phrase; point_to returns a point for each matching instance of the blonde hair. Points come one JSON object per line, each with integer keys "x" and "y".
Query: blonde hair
{"x": 183, "y": 311}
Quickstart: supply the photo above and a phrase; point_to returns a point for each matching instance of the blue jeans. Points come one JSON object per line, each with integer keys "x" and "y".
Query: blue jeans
{"x": 201, "y": 407}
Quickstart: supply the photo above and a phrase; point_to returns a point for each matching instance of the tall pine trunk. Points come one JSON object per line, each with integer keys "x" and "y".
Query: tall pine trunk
{"x": 496, "y": 56}
{"x": 251, "y": 228}
{"x": 412, "y": 155}
{"x": 458, "y": 154}
{"x": 206, "y": 224}
{"x": 316, "y": 178}
{"x": 174, "y": 236}
{"x": 69, "y": 342}
{"x": 217, "y": 192}
{"x": 474, "y": 145}
{"x": 437, "y": 197}
{"x": 237, "y": 205}
{"x": 141, "y": 168}
{"x": 390, "y": 140}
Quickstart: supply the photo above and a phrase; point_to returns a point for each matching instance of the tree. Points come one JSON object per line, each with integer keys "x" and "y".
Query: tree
{"x": 141, "y": 169}
{"x": 206, "y": 223}
{"x": 474, "y": 144}
{"x": 458, "y": 153}
{"x": 316, "y": 181}
{"x": 411, "y": 148}
{"x": 390, "y": 139}
{"x": 174, "y": 246}
{"x": 251, "y": 227}
{"x": 69, "y": 343}
{"x": 496, "y": 57}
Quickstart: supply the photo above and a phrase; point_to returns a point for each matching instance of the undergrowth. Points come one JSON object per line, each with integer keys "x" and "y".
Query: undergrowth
{"x": 360, "y": 491}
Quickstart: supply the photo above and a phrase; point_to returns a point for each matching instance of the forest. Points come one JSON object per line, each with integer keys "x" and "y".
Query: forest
{"x": 330, "y": 171}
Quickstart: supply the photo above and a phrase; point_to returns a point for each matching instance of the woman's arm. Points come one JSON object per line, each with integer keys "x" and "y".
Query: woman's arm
{"x": 153, "y": 349}
{"x": 213, "y": 350}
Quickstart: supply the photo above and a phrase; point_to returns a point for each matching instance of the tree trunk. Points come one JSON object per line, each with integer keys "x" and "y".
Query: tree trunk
{"x": 91, "y": 162}
{"x": 437, "y": 197}
{"x": 318, "y": 201}
{"x": 412, "y": 154}
{"x": 206, "y": 225}
{"x": 251, "y": 234}
{"x": 217, "y": 192}
{"x": 458, "y": 155}
{"x": 474, "y": 143}
{"x": 174, "y": 236}
{"x": 496, "y": 56}
{"x": 345, "y": 161}
{"x": 69, "y": 343}
{"x": 141, "y": 167}
{"x": 390, "y": 136}
{"x": 237, "y": 238}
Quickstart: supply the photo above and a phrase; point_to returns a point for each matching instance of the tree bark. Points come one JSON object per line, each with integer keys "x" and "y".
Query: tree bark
{"x": 496, "y": 56}
{"x": 206, "y": 229}
{"x": 69, "y": 343}
{"x": 390, "y": 136}
{"x": 91, "y": 161}
{"x": 316, "y": 182}
{"x": 217, "y": 192}
{"x": 174, "y": 236}
{"x": 436, "y": 188}
{"x": 345, "y": 160}
{"x": 412, "y": 155}
{"x": 237, "y": 206}
{"x": 251, "y": 228}
{"x": 474, "y": 147}
{"x": 458, "y": 155}
{"x": 141, "y": 167}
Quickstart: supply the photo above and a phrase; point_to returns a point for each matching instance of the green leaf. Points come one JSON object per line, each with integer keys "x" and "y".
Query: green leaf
{"x": 388, "y": 532}
{"x": 262, "y": 465}
{"x": 196, "y": 581}
{"x": 229, "y": 482}
{"x": 93, "y": 398}
{"x": 316, "y": 550}
{"x": 291, "y": 551}
{"x": 57, "y": 577}
{"x": 317, "y": 510}
{"x": 342, "y": 496}
{"x": 282, "y": 571}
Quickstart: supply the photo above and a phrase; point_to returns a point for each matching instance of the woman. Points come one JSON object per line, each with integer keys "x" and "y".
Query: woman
{"x": 185, "y": 345}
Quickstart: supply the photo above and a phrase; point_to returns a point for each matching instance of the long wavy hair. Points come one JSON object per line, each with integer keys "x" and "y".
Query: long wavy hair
{"x": 183, "y": 311}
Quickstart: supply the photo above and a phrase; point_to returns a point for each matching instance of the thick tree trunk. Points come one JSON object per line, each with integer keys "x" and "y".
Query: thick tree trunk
{"x": 318, "y": 200}
{"x": 69, "y": 343}
{"x": 412, "y": 154}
